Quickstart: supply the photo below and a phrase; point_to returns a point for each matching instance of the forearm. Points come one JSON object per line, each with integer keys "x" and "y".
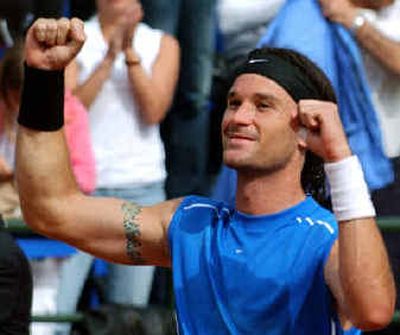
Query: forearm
{"x": 44, "y": 177}
{"x": 151, "y": 106}
{"x": 152, "y": 102}
{"x": 385, "y": 50}
{"x": 365, "y": 273}
{"x": 88, "y": 91}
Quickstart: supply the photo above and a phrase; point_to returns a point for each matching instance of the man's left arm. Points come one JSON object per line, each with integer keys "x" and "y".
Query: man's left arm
{"x": 358, "y": 271}
{"x": 384, "y": 49}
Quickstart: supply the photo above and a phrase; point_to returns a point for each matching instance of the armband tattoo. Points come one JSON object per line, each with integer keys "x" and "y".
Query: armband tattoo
{"x": 132, "y": 231}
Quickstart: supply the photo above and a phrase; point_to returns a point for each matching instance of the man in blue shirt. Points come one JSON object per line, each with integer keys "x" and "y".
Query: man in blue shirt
{"x": 277, "y": 263}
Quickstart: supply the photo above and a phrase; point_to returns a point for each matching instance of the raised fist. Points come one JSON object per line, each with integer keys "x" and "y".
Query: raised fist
{"x": 325, "y": 134}
{"x": 51, "y": 44}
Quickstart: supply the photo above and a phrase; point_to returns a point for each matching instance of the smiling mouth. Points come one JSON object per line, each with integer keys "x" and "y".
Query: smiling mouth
{"x": 239, "y": 137}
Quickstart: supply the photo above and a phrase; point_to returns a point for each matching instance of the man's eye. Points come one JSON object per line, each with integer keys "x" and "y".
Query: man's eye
{"x": 263, "y": 105}
{"x": 233, "y": 103}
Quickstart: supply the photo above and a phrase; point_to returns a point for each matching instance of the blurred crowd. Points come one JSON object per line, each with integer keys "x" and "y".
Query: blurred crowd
{"x": 144, "y": 100}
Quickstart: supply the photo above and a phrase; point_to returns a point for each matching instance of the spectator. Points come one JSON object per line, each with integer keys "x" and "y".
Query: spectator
{"x": 376, "y": 26}
{"x": 15, "y": 15}
{"x": 185, "y": 130}
{"x": 9, "y": 90}
{"x": 15, "y": 287}
{"x": 241, "y": 24}
{"x": 18, "y": 15}
{"x": 82, "y": 9}
{"x": 123, "y": 66}
{"x": 46, "y": 271}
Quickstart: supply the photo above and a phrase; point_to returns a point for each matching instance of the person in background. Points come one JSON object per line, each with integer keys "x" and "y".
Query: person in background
{"x": 241, "y": 24}
{"x": 185, "y": 130}
{"x": 17, "y": 15}
{"x": 376, "y": 27}
{"x": 15, "y": 287}
{"x": 126, "y": 75}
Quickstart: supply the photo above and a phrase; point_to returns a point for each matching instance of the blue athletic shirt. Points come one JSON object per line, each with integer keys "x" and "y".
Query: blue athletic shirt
{"x": 243, "y": 274}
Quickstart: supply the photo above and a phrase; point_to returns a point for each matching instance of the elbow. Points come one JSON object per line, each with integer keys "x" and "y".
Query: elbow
{"x": 46, "y": 217}
{"x": 377, "y": 317}
{"x": 153, "y": 116}
{"x": 37, "y": 222}
{"x": 152, "y": 120}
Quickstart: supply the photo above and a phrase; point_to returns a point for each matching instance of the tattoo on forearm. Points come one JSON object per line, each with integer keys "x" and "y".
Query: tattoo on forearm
{"x": 132, "y": 231}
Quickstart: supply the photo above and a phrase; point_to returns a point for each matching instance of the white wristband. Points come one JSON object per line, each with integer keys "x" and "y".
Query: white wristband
{"x": 349, "y": 191}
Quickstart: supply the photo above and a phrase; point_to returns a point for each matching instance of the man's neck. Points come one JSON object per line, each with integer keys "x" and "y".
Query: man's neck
{"x": 268, "y": 193}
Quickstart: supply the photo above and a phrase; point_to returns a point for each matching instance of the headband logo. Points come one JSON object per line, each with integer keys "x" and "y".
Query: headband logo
{"x": 254, "y": 61}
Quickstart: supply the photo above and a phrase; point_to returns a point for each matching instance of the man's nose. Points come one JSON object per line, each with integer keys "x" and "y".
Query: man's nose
{"x": 244, "y": 114}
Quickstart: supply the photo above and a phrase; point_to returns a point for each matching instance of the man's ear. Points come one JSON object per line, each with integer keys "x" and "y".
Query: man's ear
{"x": 302, "y": 137}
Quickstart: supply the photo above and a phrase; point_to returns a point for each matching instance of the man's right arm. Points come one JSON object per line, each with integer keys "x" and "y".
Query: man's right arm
{"x": 51, "y": 202}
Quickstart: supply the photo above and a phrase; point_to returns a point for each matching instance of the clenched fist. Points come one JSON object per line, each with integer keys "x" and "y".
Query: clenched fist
{"x": 51, "y": 44}
{"x": 325, "y": 133}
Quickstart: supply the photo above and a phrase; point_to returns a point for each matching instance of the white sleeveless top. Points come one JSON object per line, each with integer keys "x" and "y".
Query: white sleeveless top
{"x": 385, "y": 86}
{"x": 127, "y": 151}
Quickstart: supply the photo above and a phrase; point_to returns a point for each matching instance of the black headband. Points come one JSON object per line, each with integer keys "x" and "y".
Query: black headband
{"x": 282, "y": 71}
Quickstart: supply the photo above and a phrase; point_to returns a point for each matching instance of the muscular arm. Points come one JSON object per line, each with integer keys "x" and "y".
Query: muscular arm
{"x": 359, "y": 275}
{"x": 50, "y": 199}
{"x": 53, "y": 206}
{"x": 358, "y": 271}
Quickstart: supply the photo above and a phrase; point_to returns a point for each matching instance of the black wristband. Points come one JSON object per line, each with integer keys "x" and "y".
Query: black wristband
{"x": 42, "y": 104}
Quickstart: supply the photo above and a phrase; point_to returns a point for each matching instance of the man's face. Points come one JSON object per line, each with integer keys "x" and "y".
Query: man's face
{"x": 259, "y": 126}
